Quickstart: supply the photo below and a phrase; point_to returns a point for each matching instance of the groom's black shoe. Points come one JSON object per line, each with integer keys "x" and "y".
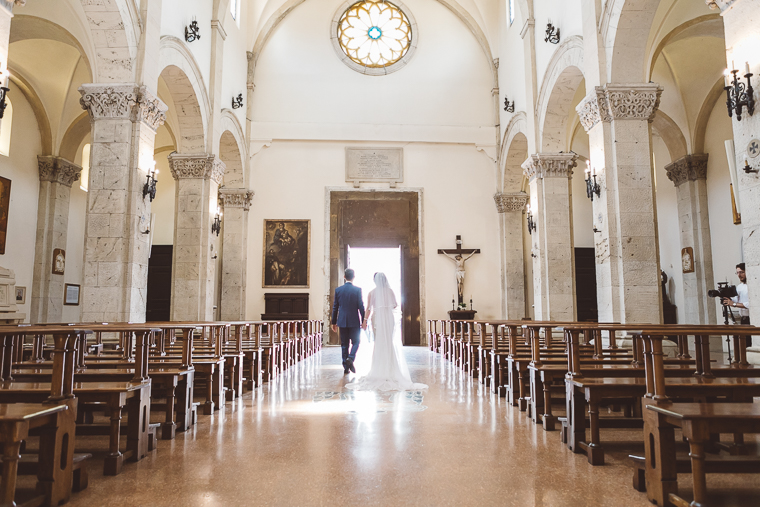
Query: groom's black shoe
{"x": 345, "y": 367}
{"x": 346, "y": 372}
{"x": 351, "y": 365}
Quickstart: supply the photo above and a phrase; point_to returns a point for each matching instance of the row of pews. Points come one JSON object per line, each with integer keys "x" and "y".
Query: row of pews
{"x": 575, "y": 377}
{"x": 132, "y": 383}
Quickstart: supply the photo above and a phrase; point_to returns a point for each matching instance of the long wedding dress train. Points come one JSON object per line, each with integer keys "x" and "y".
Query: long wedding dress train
{"x": 389, "y": 371}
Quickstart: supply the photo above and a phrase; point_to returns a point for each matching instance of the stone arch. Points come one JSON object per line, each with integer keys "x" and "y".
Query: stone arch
{"x": 232, "y": 151}
{"x": 514, "y": 152}
{"x": 671, "y": 135}
{"x": 183, "y": 78}
{"x": 40, "y": 114}
{"x": 115, "y": 48}
{"x": 700, "y": 128}
{"x": 75, "y": 134}
{"x": 282, "y": 12}
{"x": 626, "y": 25}
{"x": 31, "y": 27}
{"x": 558, "y": 90}
{"x": 710, "y": 24}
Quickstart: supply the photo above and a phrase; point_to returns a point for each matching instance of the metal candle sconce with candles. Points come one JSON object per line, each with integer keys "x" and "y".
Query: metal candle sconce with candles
{"x": 592, "y": 187}
{"x": 738, "y": 94}
{"x": 529, "y": 216}
{"x": 149, "y": 188}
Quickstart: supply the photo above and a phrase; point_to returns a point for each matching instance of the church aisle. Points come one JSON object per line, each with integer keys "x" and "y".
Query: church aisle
{"x": 306, "y": 441}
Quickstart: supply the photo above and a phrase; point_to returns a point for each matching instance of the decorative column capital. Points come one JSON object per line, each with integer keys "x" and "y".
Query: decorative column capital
{"x": 688, "y": 168}
{"x": 58, "y": 170}
{"x": 619, "y": 102}
{"x": 123, "y": 102}
{"x": 236, "y": 198}
{"x": 510, "y": 202}
{"x": 720, "y": 4}
{"x": 549, "y": 165}
{"x": 196, "y": 166}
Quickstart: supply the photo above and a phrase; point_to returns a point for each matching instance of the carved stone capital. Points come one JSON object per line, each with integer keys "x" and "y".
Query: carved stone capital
{"x": 124, "y": 102}
{"x": 720, "y": 4}
{"x": 619, "y": 102}
{"x": 150, "y": 109}
{"x": 197, "y": 167}
{"x": 549, "y": 165}
{"x": 688, "y": 168}
{"x": 236, "y": 198}
{"x": 510, "y": 202}
{"x": 109, "y": 101}
{"x": 58, "y": 170}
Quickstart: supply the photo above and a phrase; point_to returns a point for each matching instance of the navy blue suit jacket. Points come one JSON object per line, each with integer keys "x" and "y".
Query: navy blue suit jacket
{"x": 347, "y": 306}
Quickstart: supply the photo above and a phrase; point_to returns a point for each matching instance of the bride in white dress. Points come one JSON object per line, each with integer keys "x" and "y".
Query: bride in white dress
{"x": 389, "y": 371}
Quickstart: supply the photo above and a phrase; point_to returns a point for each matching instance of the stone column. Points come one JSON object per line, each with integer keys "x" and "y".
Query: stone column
{"x": 552, "y": 243}
{"x": 742, "y": 40}
{"x": 617, "y": 119}
{"x": 236, "y": 203}
{"x": 56, "y": 177}
{"x": 689, "y": 174}
{"x": 510, "y": 208}
{"x": 124, "y": 121}
{"x": 195, "y": 246}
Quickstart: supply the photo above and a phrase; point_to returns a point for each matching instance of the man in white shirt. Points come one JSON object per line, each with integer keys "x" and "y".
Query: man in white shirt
{"x": 739, "y": 305}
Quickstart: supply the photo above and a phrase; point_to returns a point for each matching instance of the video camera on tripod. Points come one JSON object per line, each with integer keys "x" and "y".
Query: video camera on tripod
{"x": 724, "y": 290}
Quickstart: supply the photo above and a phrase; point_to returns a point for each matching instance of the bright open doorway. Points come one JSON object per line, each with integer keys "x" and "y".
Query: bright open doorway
{"x": 368, "y": 261}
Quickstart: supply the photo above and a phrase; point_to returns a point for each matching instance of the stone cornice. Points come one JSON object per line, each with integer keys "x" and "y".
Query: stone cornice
{"x": 688, "y": 168}
{"x": 619, "y": 102}
{"x": 197, "y": 167}
{"x": 549, "y": 165}
{"x": 123, "y": 102}
{"x": 236, "y": 198}
{"x": 510, "y": 202}
{"x": 58, "y": 170}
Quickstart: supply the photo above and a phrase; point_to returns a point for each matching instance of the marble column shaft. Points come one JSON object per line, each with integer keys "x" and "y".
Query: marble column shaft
{"x": 194, "y": 268}
{"x": 617, "y": 119}
{"x": 56, "y": 177}
{"x": 236, "y": 203}
{"x": 742, "y": 40}
{"x": 510, "y": 208}
{"x": 552, "y": 243}
{"x": 124, "y": 120}
{"x": 689, "y": 174}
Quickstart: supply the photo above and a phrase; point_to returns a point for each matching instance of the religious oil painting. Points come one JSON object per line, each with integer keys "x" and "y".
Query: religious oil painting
{"x": 5, "y": 199}
{"x": 286, "y": 253}
{"x": 59, "y": 261}
{"x": 687, "y": 259}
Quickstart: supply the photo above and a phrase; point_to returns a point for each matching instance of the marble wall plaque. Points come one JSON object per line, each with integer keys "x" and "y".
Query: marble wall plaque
{"x": 376, "y": 165}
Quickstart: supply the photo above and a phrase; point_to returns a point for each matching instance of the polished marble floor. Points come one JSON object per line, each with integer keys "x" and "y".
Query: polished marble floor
{"x": 304, "y": 440}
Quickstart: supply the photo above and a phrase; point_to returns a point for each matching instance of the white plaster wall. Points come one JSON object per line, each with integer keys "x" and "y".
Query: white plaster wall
{"x": 235, "y": 64}
{"x": 290, "y": 179}
{"x": 726, "y": 237}
{"x": 163, "y": 205}
{"x": 299, "y": 78}
{"x": 21, "y": 168}
{"x": 669, "y": 228}
{"x": 566, "y": 15}
{"x": 583, "y": 210}
{"x": 176, "y": 15}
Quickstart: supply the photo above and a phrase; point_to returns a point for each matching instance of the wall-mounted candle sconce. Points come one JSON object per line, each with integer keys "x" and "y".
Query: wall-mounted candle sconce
{"x": 552, "y": 33}
{"x": 237, "y": 102}
{"x": 149, "y": 188}
{"x": 529, "y": 216}
{"x": 509, "y": 106}
{"x": 738, "y": 94}
{"x": 748, "y": 168}
{"x": 216, "y": 227}
{"x": 592, "y": 187}
{"x": 192, "y": 32}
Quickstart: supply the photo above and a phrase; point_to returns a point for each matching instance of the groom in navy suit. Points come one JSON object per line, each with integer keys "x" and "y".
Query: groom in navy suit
{"x": 348, "y": 315}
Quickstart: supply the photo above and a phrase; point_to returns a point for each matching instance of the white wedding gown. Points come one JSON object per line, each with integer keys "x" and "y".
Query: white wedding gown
{"x": 389, "y": 371}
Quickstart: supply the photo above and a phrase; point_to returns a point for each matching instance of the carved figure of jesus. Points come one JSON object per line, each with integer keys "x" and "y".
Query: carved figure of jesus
{"x": 459, "y": 261}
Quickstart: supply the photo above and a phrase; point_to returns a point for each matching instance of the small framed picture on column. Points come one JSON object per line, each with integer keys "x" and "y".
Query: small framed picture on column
{"x": 71, "y": 294}
{"x": 687, "y": 259}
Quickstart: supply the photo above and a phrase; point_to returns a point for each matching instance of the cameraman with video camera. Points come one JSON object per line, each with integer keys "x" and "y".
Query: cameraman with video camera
{"x": 740, "y": 302}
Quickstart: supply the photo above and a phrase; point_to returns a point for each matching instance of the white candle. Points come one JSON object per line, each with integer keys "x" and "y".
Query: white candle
{"x": 746, "y": 68}
{"x": 728, "y": 82}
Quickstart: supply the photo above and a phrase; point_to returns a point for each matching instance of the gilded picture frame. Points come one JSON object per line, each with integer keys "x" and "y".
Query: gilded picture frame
{"x": 5, "y": 201}
{"x": 286, "y": 254}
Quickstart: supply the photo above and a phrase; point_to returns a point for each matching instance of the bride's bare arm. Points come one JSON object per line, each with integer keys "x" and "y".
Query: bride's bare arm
{"x": 370, "y": 309}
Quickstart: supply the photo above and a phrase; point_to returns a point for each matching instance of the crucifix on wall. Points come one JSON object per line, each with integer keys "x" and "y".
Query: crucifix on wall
{"x": 459, "y": 255}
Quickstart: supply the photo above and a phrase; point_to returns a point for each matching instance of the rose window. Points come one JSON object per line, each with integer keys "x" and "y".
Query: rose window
{"x": 374, "y": 33}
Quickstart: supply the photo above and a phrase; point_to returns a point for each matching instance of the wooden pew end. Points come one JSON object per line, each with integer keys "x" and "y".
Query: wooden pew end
{"x": 81, "y": 477}
{"x": 153, "y": 435}
{"x": 639, "y": 473}
{"x": 563, "y": 429}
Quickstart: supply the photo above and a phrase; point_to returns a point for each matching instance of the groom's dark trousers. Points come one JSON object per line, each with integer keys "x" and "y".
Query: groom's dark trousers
{"x": 348, "y": 315}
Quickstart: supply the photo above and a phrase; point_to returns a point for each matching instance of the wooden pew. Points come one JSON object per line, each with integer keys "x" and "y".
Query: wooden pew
{"x": 699, "y": 424}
